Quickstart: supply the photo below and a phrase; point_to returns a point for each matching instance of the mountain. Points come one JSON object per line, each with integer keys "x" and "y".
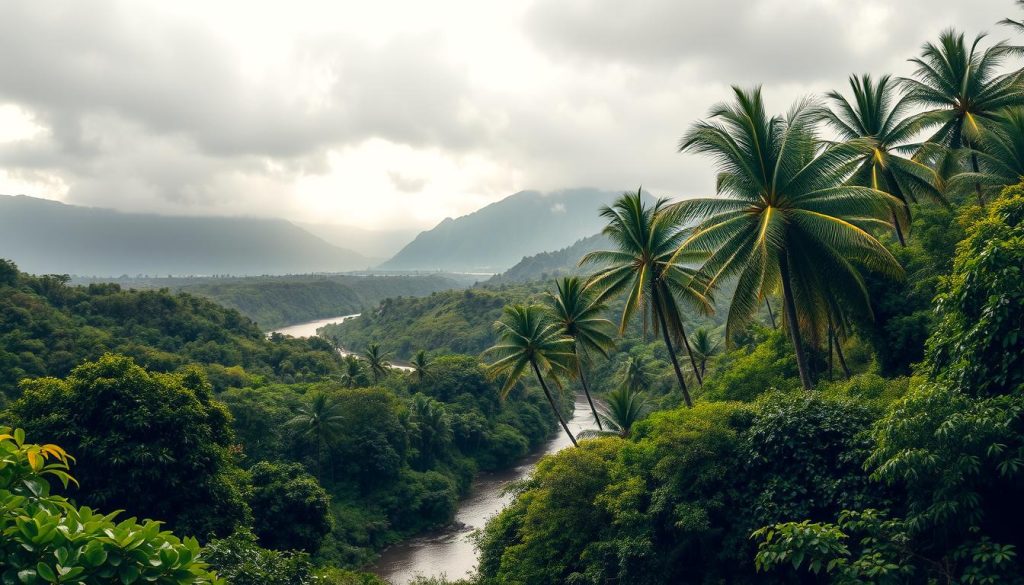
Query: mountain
{"x": 44, "y": 236}
{"x": 548, "y": 265}
{"x": 495, "y": 237}
{"x": 374, "y": 244}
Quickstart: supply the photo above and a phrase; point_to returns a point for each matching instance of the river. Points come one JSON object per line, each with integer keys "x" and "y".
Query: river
{"x": 450, "y": 551}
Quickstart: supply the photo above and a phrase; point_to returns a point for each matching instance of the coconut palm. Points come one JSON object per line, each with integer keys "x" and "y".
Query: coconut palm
{"x": 962, "y": 90}
{"x": 786, "y": 219}
{"x": 1016, "y": 24}
{"x": 999, "y": 156}
{"x": 877, "y": 119}
{"x": 352, "y": 375}
{"x": 321, "y": 421}
{"x": 643, "y": 266}
{"x": 528, "y": 339}
{"x": 634, "y": 374}
{"x": 420, "y": 365}
{"x": 578, "y": 312}
{"x": 622, "y": 409}
{"x": 377, "y": 360}
{"x": 704, "y": 347}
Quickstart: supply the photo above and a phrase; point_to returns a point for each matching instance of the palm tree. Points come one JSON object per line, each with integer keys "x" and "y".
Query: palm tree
{"x": 577, "y": 311}
{"x": 528, "y": 339}
{"x": 876, "y": 119}
{"x": 377, "y": 360}
{"x": 704, "y": 347}
{"x": 622, "y": 409}
{"x": 644, "y": 267}
{"x": 634, "y": 374}
{"x": 420, "y": 365}
{"x": 1017, "y": 24}
{"x": 321, "y": 420}
{"x": 352, "y": 376}
{"x": 999, "y": 156}
{"x": 962, "y": 90}
{"x": 787, "y": 218}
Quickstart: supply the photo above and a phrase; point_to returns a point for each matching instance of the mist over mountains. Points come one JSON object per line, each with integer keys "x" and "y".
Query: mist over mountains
{"x": 496, "y": 237}
{"x": 44, "y": 236}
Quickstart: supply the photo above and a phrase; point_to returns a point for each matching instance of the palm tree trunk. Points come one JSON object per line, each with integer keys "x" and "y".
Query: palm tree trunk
{"x": 830, "y": 352}
{"x": 977, "y": 186}
{"x": 586, "y": 391}
{"x": 771, "y": 315}
{"x": 899, "y": 230}
{"x": 791, "y": 320}
{"x": 689, "y": 352}
{"x": 842, "y": 358}
{"x": 551, "y": 401}
{"x": 668, "y": 345}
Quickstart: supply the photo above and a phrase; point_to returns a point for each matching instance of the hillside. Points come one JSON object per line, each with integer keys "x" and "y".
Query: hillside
{"x": 548, "y": 265}
{"x": 45, "y": 236}
{"x": 378, "y": 245}
{"x": 497, "y": 236}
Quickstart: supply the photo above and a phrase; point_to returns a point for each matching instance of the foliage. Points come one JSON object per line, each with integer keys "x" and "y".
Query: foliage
{"x": 239, "y": 560}
{"x": 46, "y": 539}
{"x": 151, "y": 444}
{"x": 747, "y": 372}
{"x": 290, "y": 509}
{"x": 47, "y": 328}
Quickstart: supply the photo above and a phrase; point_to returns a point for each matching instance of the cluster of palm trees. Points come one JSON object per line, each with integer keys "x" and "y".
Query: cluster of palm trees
{"x": 795, "y": 217}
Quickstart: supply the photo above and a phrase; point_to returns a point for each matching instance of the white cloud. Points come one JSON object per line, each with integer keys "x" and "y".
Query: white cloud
{"x": 402, "y": 113}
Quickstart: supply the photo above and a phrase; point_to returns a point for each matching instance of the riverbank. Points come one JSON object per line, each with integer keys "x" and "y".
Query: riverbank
{"x": 451, "y": 551}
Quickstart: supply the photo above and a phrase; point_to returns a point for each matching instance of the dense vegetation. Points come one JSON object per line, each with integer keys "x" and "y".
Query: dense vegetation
{"x": 48, "y": 327}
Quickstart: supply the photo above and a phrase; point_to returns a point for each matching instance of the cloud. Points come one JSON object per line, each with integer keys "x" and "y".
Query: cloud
{"x": 400, "y": 114}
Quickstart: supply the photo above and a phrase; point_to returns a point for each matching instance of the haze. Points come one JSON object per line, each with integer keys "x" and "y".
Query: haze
{"x": 398, "y": 114}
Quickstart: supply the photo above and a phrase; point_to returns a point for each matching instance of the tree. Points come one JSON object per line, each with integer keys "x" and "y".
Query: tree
{"x": 1016, "y": 24}
{"x": 377, "y": 360}
{"x": 787, "y": 219}
{"x": 155, "y": 445}
{"x": 877, "y": 120}
{"x": 647, "y": 266}
{"x": 352, "y": 374}
{"x": 704, "y": 347}
{"x": 622, "y": 409}
{"x": 47, "y": 539}
{"x": 290, "y": 509}
{"x": 634, "y": 373}
{"x": 321, "y": 420}
{"x": 527, "y": 339}
{"x": 578, "y": 312}
{"x": 962, "y": 90}
{"x": 420, "y": 365}
{"x": 999, "y": 156}
{"x": 431, "y": 429}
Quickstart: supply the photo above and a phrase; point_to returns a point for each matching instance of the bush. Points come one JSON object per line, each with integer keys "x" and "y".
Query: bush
{"x": 240, "y": 561}
{"x": 48, "y": 540}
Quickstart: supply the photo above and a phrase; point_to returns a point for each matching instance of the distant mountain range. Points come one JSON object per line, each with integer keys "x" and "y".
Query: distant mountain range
{"x": 548, "y": 265}
{"x": 374, "y": 244}
{"x": 498, "y": 236}
{"x": 44, "y": 236}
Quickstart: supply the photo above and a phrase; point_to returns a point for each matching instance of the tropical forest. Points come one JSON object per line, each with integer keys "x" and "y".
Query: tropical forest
{"x": 811, "y": 373}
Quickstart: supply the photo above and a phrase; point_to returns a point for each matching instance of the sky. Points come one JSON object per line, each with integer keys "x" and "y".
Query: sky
{"x": 390, "y": 114}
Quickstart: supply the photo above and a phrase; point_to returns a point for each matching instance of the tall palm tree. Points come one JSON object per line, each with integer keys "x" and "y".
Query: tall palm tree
{"x": 962, "y": 90}
{"x": 622, "y": 409}
{"x": 321, "y": 420}
{"x": 634, "y": 374}
{"x": 644, "y": 267}
{"x": 705, "y": 347}
{"x": 787, "y": 218}
{"x": 877, "y": 118}
{"x": 420, "y": 365}
{"x": 528, "y": 339}
{"x": 377, "y": 360}
{"x": 999, "y": 156}
{"x": 577, "y": 310}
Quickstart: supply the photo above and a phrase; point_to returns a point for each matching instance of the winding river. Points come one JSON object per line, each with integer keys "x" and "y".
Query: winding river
{"x": 450, "y": 551}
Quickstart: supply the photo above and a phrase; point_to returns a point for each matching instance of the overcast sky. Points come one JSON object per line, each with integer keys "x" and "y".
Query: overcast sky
{"x": 386, "y": 113}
